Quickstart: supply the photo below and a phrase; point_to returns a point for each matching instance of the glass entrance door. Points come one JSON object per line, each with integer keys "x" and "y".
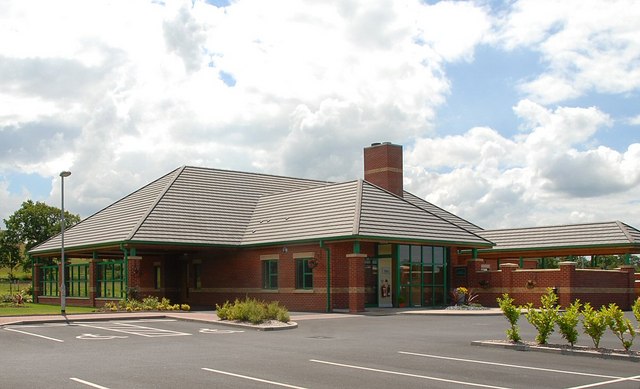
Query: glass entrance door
{"x": 422, "y": 275}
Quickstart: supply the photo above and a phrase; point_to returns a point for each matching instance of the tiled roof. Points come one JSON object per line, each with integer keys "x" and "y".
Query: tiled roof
{"x": 350, "y": 209}
{"x": 566, "y": 236}
{"x": 384, "y": 215}
{"x": 217, "y": 207}
{"x": 455, "y": 219}
{"x": 188, "y": 205}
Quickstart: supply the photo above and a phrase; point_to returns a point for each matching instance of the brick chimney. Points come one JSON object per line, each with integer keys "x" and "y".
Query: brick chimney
{"x": 383, "y": 166}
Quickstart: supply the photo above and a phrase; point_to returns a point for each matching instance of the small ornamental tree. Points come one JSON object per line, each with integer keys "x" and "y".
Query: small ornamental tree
{"x": 512, "y": 313}
{"x": 544, "y": 319}
{"x": 620, "y": 325}
{"x": 568, "y": 322}
{"x": 594, "y": 323}
{"x": 635, "y": 308}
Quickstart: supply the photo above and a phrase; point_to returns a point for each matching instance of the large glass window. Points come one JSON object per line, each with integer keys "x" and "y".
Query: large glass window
{"x": 49, "y": 283}
{"x": 111, "y": 282}
{"x": 78, "y": 280}
{"x": 270, "y": 274}
{"x": 304, "y": 274}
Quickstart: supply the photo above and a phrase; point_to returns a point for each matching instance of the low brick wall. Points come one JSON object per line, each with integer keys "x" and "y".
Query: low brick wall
{"x": 598, "y": 287}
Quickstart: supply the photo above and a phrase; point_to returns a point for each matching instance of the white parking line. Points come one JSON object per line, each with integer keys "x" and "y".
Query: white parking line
{"x": 509, "y": 365}
{"x": 39, "y": 336}
{"x": 88, "y": 383}
{"x": 407, "y": 374}
{"x": 253, "y": 378}
{"x": 133, "y": 329}
{"x": 634, "y": 378}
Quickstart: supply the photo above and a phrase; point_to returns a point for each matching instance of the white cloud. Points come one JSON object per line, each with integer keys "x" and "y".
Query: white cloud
{"x": 122, "y": 92}
{"x": 586, "y": 45}
{"x": 538, "y": 177}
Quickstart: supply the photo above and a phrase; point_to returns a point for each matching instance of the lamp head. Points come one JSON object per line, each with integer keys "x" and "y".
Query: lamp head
{"x": 65, "y": 173}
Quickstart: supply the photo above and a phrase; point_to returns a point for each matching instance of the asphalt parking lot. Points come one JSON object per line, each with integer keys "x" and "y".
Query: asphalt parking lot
{"x": 344, "y": 351}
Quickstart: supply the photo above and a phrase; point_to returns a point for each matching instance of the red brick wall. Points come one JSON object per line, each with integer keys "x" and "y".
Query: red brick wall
{"x": 598, "y": 287}
{"x": 237, "y": 273}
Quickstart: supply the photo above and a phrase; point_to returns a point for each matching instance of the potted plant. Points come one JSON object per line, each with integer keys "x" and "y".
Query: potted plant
{"x": 401, "y": 302}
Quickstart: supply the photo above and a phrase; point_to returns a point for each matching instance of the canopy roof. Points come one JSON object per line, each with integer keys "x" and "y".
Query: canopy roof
{"x": 211, "y": 207}
{"x": 572, "y": 239}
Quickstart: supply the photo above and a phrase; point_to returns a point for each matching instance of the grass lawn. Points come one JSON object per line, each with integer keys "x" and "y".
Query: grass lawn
{"x": 17, "y": 272}
{"x": 42, "y": 309}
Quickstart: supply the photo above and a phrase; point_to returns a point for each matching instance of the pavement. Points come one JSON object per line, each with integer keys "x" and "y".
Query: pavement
{"x": 211, "y": 317}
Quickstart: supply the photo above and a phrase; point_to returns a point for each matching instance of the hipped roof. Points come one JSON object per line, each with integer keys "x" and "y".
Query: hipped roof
{"x": 201, "y": 206}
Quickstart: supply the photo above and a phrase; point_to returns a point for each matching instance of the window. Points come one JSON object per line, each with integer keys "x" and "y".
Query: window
{"x": 111, "y": 282}
{"x": 157, "y": 280}
{"x": 78, "y": 280}
{"x": 304, "y": 275}
{"x": 270, "y": 274}
{"x": 197, "y": 276}
{"x": 49, "y": 282}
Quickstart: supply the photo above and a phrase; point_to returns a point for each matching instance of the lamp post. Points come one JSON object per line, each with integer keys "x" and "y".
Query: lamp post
{"x": 63, "y": 288}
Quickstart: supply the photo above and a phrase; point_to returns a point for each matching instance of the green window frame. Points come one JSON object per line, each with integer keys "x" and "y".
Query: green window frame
{"x": 157, "y": 277}
{"x": 77, "y": 278}
{"x": 197, "y": 276}
{"x": 49, "y": 280}
{"x": 270, "y": 274}
{"x": 111, "y": 279}
{"x": 304, "y": 274}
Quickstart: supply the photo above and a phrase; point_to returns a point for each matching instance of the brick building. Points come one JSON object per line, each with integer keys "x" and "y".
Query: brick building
{"x": 203, "y": 236}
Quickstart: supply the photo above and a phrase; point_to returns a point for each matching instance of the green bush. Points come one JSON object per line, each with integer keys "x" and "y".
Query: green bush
{"x": 594, "y": 323}
{"x": 635, "y": 308}
{"x": 544, "y": 319}
{"x": 512, "y": 313}
{"x": 620, "y": 325}
{"x": 568, "y": 322}
{"x": 150, "y": 303}
{"x": 253, "y": 311}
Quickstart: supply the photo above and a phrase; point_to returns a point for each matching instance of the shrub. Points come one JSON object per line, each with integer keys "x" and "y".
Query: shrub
{"x": 620, "y": 325}
{"x": 185, "y": 307}
{"x": 512, "y": 313}
{"x": 568, "y": 322}
{"x": 252, "y": 310}
{"x": 544, "y": 319}
{"x": 594, "y": 323}
{"x": 635, "y": 308}
{"x": 150, "y": 303}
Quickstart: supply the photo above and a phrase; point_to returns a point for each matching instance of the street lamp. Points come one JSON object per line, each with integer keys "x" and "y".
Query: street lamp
{"x": 63, "y": 288}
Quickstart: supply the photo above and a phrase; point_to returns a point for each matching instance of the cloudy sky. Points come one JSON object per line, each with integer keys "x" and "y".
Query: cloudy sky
{"x": 511, "y": 113}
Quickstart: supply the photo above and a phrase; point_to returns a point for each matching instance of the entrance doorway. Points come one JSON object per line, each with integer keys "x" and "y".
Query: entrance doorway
{"x": 422, "y": 275}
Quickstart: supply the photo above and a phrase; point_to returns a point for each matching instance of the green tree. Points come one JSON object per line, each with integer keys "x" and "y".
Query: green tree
{"x": 34, "y": 223}
{"x": 10, "y": 255}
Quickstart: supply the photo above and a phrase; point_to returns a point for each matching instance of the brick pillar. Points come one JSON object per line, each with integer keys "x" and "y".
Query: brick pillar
{"x": 93, "y": 281}
{"x": 134, "y": 274}
{"x": 356, "y": 282}
{"x": 473, "y": 267}
{"x": 567, "y": 283}
{"x": 631, "y": 294}
{"x": 37, "y": 277}
{"x": 507, "y": 270}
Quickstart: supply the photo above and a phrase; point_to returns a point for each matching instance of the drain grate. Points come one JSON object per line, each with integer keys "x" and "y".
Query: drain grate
{"x": 320, "y": 337}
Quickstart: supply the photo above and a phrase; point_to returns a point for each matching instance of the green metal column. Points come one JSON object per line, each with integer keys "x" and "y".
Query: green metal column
{"x": 328, "y": 251}
{"x": 521, "y": 263}
{"x": 445, "y": 270}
